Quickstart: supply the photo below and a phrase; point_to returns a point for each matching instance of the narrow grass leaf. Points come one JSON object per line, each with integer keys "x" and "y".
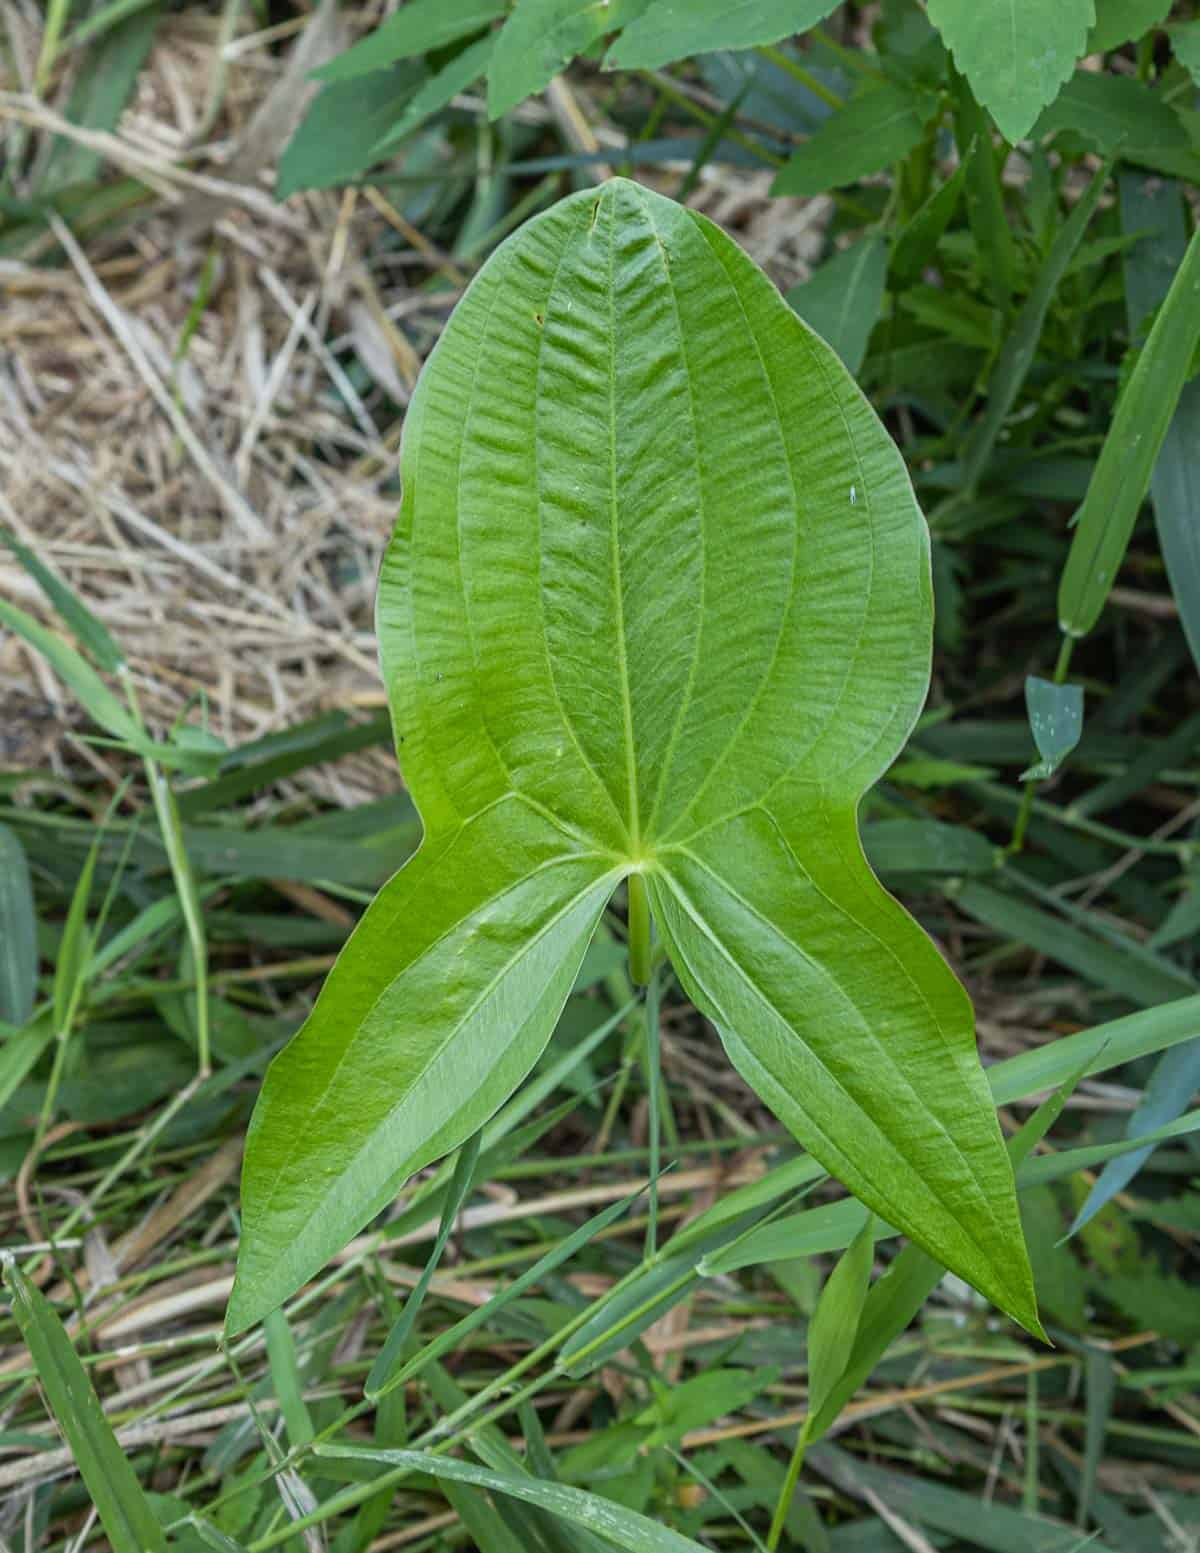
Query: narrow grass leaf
{"x": 285, "y": 1378}
{"x": 834, "y": 1326}
{"x": 1171, "y": 1089}
{"x": 416, "y": 28}
{"x": 125, "y": 1514}
{"x": 75, "y": 948}
{"x": 88, "y": 631}
{"x": 1015, "y": 53}
{"x": 1122, "y": 474}
{"x": 843, "y": 299}
{"x": 626, "y": 1528}
{"x": 916, "y": 246}
{"x": 392, "y": 1352}
{"x": 1129, "y": 970}
{"x": 456, "y": 76}
{"x": 968, "y": 1517}
{"x": 18, "y": 932}
{"x": 1155, "y": 208}
{"x": 20, "y": 1051}
{"x": 1099, "y": 1387}
{"x": 75, "y": 672}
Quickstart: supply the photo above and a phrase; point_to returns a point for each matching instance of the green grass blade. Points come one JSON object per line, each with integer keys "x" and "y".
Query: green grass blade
{"x": 91, "y": 633}
{"x": 18, "y": 932}
{"x": 120, "y": 1502}
{"x": 75, "y": 672}
{"x": 625, "y": 1528}
{"x": 285, "y": 1378}
{"x": 397, "y": 1339}
{"x": 1122, "y": 474}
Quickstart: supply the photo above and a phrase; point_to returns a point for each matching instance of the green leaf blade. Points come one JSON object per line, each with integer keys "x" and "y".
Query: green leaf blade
{"x": 658, "y": 601}
{"x": 875, "y": 128}
{"x": 840, "y": 1013}
{"x": 439, "y": 1006}
{"x": 672, "y": 29}
{"x": 124, "y": 1511}
{"x": 1015, "y": 53}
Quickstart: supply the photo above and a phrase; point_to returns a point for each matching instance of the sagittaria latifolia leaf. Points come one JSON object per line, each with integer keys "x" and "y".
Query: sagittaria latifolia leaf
{"x": 658, "y": 601}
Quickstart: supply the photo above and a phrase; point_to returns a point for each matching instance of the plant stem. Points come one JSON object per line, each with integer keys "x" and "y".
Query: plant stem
{"x": 787, "y": 1492}
{"x": 805, "y": 77}
{"x": 654, "y": 1118}
{"x": 639, "y": 931}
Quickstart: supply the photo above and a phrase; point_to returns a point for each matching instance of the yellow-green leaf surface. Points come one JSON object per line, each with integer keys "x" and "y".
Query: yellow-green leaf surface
{"x": 658, "y": 601}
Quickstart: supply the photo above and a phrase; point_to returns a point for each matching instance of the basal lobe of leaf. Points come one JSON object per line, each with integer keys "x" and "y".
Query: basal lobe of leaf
{"x": 658, "y": 600}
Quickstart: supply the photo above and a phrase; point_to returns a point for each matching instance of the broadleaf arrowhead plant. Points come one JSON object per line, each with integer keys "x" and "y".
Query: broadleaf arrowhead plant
{"x": 658, "y": 604}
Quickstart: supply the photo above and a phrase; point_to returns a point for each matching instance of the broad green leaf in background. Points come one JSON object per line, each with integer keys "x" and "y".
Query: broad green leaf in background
{"x": 842, "y": 300}
{"x": 673, "y": 29}
{"x": 610, "y": 651}
{"x": 1123, "y": 118}
{"x": 877, "y": 127}
{"x": 1185, "y": 40}
{"x": 124, "y": 1511}
{"x": 414, "y": 29}
{"x": 18, "y": 932}
{"x": 1056, "y": 721}
{"x": 440, "y": 89}
{"x": 1155, "y": 207}
{"x": 542, "y": 37}
{"x": 1121, "y": 21}
{"x": 338, "y": 137}
{"x": 1122, "y": 474}
{"x": 1015, "y": 53}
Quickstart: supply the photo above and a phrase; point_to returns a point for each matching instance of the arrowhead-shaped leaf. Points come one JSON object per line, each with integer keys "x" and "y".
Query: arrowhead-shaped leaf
{"x": 658, "y": 601}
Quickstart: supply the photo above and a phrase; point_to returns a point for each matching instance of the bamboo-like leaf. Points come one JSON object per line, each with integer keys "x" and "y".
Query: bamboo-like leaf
{"x": 1122, "y": 474}
{"x": 89, "y": 631}
{"x": 124, "y": 1512}
{"x": 414, "y": 29}
{"x": 658, "y": 602}
{"x": 1156, "y": 208}
{"x": 625, "y": 1528}
{"x": 832, "y": 1330}
{"x": 672, "y": 29}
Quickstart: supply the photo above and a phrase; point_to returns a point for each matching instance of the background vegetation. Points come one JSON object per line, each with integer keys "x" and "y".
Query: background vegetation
{"x": 221, "y": 277}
